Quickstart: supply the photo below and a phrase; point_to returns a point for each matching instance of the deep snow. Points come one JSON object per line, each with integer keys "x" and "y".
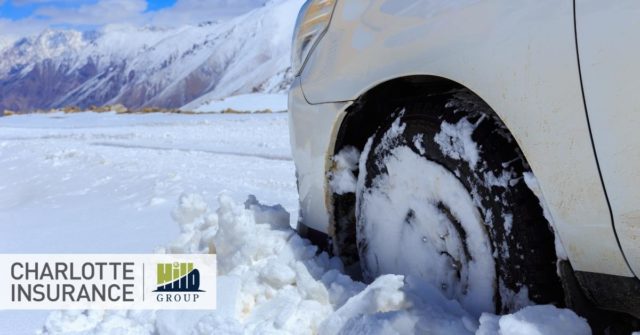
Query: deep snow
{"x": 104, "y": 183}
{"x": 135, "y": 183}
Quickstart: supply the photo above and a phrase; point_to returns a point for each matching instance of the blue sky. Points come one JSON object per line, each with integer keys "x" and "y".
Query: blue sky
{"x": 16, "y": 10}
{"x": 158, "y": 4}
{"x": 27, "y": 17}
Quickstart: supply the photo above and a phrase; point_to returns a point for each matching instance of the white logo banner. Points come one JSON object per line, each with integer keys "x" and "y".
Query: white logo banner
{"x": 101, "y": 281}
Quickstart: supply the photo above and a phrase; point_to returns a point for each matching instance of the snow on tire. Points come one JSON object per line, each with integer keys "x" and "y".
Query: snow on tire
{"x": 441, "y": 196}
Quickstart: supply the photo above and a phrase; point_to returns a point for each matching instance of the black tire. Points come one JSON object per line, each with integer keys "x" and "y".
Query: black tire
{"x": 524, "y": 253}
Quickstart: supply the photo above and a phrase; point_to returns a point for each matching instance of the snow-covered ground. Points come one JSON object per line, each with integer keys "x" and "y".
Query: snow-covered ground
{"x": 181, "y": 183}
{"x": 108, "y": 183}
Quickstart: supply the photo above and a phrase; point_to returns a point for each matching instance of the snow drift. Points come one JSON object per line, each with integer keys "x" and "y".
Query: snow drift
{"x": 273, "y": 281}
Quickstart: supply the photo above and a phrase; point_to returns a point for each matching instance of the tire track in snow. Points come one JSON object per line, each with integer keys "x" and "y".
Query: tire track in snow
{"x": 213, "y": 152}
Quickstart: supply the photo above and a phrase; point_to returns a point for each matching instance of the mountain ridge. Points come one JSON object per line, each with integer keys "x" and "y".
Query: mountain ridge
{"x": 150, "y": 66}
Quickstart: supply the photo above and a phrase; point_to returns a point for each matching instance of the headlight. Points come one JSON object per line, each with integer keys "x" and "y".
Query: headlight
{"x": 311, "y": 25}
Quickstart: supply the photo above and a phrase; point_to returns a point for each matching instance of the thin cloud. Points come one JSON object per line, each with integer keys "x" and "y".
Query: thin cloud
{"x": 100, "y": 13}
{"x": 31, "y": 2}
{"x": 193, "y": 11}
{"x": 132, "y": 12}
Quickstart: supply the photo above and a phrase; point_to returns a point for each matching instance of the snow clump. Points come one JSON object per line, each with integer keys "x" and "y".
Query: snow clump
{"x": 456, "y": 142}
{"x": 343, "y": 180}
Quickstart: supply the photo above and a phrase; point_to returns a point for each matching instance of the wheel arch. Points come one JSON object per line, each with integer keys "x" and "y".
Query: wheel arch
{"x": 363, "y": 117}
{"x": 374, "y": 108}
{"x": 356, "y": 123}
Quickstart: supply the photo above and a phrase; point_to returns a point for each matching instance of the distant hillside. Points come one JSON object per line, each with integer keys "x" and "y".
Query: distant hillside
{"x": 150, "y": 66}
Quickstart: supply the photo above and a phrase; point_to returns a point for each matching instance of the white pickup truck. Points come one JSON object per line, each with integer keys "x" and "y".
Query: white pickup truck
{"x": 490, "y": 148}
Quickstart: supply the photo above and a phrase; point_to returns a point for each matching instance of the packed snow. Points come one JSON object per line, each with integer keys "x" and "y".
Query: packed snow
{"x": 535, "y": 320}
{"x": 342, "y": 179}
{"x": 183, "y": 183}
{"x": 455, "y": 141}
{"x": 398, "y": 214}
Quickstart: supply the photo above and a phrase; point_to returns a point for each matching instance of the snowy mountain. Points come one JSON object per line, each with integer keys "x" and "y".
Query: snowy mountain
{"x": 160, "y": 67}
{"x": 5, "y": 42}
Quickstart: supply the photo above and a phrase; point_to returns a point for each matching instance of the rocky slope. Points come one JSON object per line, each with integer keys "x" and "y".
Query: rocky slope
{"x": 150, "y": 66}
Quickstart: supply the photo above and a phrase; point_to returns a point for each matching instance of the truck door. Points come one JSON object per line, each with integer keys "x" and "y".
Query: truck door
{"x": 608, "y": 35}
